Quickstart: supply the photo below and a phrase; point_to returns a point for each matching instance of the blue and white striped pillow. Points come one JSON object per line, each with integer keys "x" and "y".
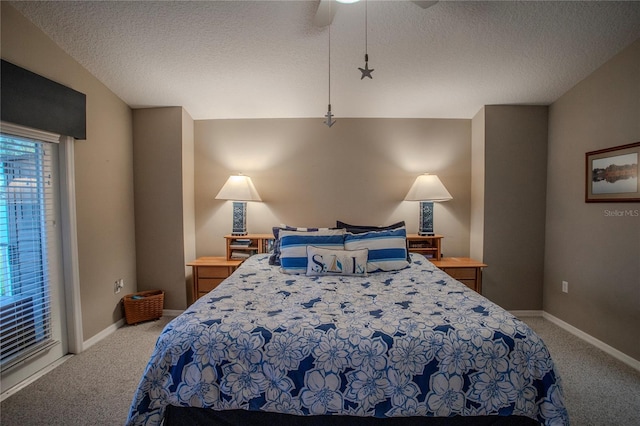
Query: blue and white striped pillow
{"x": 387, "y": 249}
{"x": 274, "y": 259}
{"x": 293, "y": 247}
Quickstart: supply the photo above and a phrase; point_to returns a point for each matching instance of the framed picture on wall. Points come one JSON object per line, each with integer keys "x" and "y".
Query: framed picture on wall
{"x": 611, "y": 174}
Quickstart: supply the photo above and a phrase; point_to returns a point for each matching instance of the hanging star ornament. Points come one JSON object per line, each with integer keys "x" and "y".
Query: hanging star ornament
{"x": 329, "y": 122}
{"x": 366, "y": 72}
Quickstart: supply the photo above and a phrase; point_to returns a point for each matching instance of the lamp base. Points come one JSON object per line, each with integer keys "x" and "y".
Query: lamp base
{"x": 426, "y": 218}
{"x": 239, "y": 218}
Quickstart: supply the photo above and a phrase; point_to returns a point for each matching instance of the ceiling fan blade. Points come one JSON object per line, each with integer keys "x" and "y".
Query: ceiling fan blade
{"x": 424, "y": 4}
{"x": 325, "y": 13}
{"x": 327, "y": 10}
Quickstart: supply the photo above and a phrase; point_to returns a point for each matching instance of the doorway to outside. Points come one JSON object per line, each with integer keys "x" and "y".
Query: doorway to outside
{"x": 33, "y": 330}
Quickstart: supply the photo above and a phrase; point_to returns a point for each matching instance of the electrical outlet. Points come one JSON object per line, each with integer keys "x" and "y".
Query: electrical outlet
{"x": 119, "y": 284}
{"x": 565, "y": 287}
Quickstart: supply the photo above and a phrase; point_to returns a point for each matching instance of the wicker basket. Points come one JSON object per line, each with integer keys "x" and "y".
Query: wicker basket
{"x": 143, "y": 306}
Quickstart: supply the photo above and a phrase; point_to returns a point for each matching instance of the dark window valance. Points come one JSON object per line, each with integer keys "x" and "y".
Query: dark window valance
{"x": 28, "y": 99}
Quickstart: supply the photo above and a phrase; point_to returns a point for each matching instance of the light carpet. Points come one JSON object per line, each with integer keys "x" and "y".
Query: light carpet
{"x": 96, "y": 387}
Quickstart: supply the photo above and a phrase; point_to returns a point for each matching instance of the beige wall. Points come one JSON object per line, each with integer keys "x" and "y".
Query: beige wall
{"x": 163, "y": 173}
{"x": 509, "y": 145}
{"x": 104, "y": 173}
{"x": 515, "y": 150}
{"x": 598, "y": 254}
{"x": 307, "y": 174}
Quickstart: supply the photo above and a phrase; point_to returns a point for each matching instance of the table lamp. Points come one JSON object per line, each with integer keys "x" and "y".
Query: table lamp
{"x": 239, "y": 189}
{"x": 427, "y": 189}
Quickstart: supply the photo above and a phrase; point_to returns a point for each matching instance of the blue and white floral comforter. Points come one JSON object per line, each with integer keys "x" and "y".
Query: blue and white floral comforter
{"x": 413, "y": 342}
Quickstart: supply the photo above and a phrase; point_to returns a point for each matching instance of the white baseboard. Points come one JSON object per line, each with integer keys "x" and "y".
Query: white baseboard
{"x": 631, "y": 362}
{"x": 520, "y": 314}
{"x": 104, "y": 333}
{"x": 113, "y": 327}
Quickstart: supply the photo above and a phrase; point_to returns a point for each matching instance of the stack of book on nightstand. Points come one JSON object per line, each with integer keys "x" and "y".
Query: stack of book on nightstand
{"x": 239, "y": 255}
{"x": 241, "y": 248}
{"x": 241, "y": 243}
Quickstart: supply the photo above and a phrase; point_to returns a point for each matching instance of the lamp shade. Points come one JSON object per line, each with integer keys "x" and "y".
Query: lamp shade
{"x": 238, "y": 188}
{"x": 428, "y": 188}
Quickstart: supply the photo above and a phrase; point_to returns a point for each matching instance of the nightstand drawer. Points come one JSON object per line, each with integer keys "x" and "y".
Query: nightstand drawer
{"x": 461, "y": 273}
{"x": 205, "y": 285}
{"x": 472, "y": 284}
{"x": 213, "y": 272}
{"x": 208, "y": 272}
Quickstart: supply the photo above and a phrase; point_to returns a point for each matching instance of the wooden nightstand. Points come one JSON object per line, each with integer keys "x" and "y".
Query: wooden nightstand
{"x": 463, "y": 269}
{"x": 208, "y": 272}
{"x": 428, "y": 246}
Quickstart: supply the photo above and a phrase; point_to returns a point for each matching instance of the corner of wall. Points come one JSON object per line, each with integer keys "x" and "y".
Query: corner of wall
{"x": 477, "y": 185}
{"x": 188, "y": 194}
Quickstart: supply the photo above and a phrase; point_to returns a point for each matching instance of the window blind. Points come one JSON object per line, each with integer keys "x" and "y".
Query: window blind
{"x": 26, "y": 214}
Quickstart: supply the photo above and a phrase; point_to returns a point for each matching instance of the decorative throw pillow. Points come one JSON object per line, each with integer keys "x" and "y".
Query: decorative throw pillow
{"x": 387, "y": 249}
{"x": 293, "y": 247}
{"x": 360, "y": 229}
{"x": 322, "y": 261}
{"x": 274, "y": 259}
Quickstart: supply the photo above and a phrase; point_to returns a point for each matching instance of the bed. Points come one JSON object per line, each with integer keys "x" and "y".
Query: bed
{"x": 406, "y": 346}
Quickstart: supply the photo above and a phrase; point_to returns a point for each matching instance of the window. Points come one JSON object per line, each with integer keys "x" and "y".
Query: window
{"x": 26, "y": 214}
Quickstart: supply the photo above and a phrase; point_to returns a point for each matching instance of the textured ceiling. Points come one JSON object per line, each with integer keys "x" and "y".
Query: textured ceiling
{"x": 266, "y": 59}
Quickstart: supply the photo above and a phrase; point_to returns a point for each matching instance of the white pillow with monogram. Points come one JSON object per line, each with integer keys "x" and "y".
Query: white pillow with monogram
{"x": 324, "y": 261}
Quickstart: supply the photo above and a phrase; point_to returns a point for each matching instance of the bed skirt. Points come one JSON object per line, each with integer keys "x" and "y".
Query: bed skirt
{"x": 190, "y": 416}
